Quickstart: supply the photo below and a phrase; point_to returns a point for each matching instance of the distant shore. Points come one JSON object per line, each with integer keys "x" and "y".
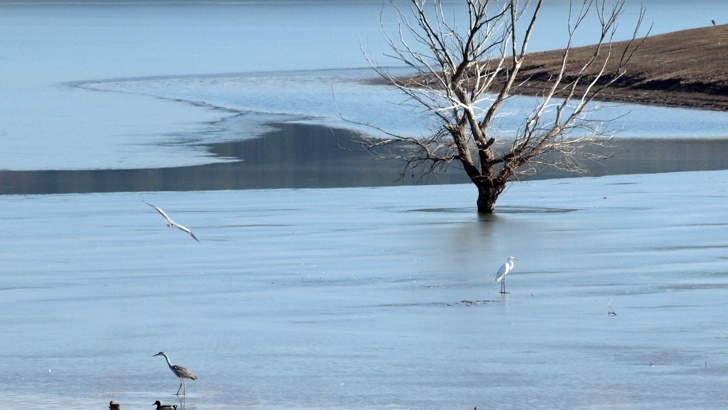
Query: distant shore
{"x": 684, "y": 69}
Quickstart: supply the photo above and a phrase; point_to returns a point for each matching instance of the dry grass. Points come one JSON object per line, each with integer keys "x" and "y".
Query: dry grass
{"x": 682, "y": 69}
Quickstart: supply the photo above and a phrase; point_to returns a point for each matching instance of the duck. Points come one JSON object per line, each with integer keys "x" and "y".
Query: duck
{"x": 161, "y": 406}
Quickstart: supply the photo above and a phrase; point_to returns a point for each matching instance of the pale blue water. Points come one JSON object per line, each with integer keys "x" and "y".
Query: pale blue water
{"x": 332, "y": 298}
{"x": 281, "y": 47}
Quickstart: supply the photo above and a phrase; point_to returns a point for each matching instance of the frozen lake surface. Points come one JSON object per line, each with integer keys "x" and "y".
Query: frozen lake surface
{"x": 353, "y": 298}
{"x": 340, "y": 298}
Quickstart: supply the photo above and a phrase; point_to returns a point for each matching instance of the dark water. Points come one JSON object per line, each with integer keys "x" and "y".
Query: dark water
{"x": 654, "y": 155}
{"x": 292, "y": 156}
{"x": 311, "y": 156}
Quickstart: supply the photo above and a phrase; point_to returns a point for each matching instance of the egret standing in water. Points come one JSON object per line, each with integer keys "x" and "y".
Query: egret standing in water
{"x": 180, "y": 372}
{"x": 503, "y": 271}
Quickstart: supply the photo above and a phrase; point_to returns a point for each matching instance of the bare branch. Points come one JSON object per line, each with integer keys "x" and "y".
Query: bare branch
{"x": 463, "y": 79}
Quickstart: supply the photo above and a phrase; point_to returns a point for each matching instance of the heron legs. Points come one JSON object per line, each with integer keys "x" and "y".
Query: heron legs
{"x": 503, "y": 287}
{"x": 182, "y": 383}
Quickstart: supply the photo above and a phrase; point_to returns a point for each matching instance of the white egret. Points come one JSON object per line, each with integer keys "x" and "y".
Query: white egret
{"x": 180, "y": 372}
{"x": 503, "y": 271}
{"x": 171, "y": 223}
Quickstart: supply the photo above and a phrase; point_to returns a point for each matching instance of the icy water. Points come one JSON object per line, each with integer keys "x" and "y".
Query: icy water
{"x": 349, "y": 297}
{"x": 360, "y": 298}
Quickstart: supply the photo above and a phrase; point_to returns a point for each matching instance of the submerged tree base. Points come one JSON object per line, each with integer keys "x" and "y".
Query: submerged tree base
{"x": 464, "y": 77}
{"x": 486, "y": 200}
{"x": 488, "y": 194}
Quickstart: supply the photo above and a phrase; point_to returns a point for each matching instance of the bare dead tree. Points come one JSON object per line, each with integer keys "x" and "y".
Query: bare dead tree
{"x": 463, "y": 78}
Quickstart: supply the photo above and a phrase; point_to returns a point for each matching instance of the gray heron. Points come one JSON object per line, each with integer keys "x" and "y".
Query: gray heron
{"x": 180, "y": 372}
{"x": 503, "y": 271}
{"x": 171, "y": 223}
{"x": 161, "y": 406}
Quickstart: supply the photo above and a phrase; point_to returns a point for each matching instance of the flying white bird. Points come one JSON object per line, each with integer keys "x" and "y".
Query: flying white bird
{"x": 171, "y": 223}
{"x": 503, "y": 271}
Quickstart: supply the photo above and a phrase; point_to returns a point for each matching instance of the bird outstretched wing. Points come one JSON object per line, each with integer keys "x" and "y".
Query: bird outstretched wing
{"x": 161, "y": 212}
{"x": 184, "y": 228}
{"x": 170, "y": 222}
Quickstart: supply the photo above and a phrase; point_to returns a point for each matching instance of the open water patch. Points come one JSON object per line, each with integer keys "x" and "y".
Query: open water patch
{"x": 291, "y": 156}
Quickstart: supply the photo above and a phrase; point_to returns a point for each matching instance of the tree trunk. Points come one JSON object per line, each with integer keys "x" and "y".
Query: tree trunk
{"x": 488, "y": 193}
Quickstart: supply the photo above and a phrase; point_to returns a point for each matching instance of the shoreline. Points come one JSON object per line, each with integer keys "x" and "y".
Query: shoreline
{"x": 684, "y": 69}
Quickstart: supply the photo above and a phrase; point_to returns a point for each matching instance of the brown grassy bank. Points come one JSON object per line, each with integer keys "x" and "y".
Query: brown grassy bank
{"x": 686, "y": 68}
